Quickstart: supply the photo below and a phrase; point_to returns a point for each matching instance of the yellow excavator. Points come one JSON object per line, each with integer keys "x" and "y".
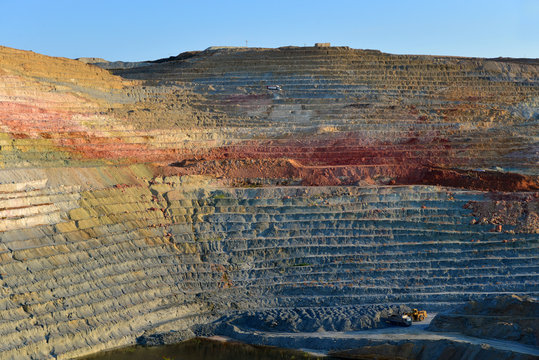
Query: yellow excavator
{"x": 417, "y": 315}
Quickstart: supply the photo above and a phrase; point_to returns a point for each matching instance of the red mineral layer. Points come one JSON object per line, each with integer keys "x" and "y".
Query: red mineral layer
{"x": 347, "y": 159}
{"x": 33, "y": 120}
{"x": 17, "y": 113}
{"x": 480, "y": 180}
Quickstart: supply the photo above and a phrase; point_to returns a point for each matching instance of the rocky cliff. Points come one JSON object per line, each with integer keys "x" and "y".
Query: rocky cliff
{"x": 162, "y": 195}
{"x": 503, "y": 317}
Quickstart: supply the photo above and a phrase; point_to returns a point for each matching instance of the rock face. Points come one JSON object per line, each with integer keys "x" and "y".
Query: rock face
{"x": 503, "y": 317}
{"x": 305, "y": 319}
{"x": 428, "y": 350}
{"x": 512, "y": 318}
{"x": 168, "y": 194}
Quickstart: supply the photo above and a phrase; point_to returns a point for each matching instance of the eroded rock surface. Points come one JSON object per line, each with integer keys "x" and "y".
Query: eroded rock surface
{"x": 172, "y": 193}
{"x": 503, "y": 317}
{"x": 345, "y": 318}
{"x": 428, "y": 350}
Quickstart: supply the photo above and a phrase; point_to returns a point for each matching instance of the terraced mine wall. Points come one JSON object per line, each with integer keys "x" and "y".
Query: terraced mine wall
{"x": 163, "y": 195}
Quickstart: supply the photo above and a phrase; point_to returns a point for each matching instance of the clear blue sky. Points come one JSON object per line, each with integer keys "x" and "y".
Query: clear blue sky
{"x": 134, "y": 30}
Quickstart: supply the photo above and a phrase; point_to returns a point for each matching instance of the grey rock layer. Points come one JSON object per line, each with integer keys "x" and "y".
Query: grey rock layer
{"x": 514, "y": 318}
{"x": 312, "y": 319}
{"x": 428, "y": 350}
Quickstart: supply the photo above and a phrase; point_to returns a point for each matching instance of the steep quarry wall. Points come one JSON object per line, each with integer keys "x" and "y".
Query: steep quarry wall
{"x": 166, "y": 194}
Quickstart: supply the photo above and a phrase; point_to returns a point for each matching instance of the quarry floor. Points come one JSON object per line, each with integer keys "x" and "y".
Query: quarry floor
{"x": 416, "y": 332}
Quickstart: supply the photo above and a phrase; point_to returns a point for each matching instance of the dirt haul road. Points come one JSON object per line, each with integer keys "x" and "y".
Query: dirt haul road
{"x": 318, "y": 341}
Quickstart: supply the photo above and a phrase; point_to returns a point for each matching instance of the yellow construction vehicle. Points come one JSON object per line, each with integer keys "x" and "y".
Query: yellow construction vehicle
{"x": 417, "y": 315}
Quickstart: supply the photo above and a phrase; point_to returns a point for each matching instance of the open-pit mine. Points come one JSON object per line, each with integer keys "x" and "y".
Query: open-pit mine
{"x": 273, "y": 196}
